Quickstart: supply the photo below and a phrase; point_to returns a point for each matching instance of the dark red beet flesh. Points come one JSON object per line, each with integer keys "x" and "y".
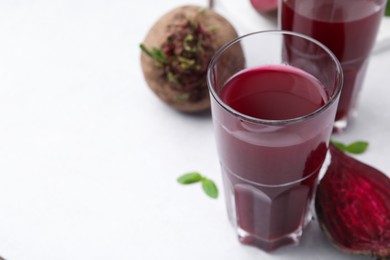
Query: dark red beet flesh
{"x": 353, "y": 206}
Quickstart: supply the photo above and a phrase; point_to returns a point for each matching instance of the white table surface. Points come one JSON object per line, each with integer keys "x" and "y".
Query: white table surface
{"x": 89, "y": 156}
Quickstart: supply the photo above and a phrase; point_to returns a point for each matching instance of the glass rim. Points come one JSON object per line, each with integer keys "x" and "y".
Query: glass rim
{"x": 257, "y": 120}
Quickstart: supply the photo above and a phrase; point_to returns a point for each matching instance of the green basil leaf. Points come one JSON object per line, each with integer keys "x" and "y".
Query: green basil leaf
{"x": 190, "y": 178}
{"x": 357, "y": 147}
{"x": 210, "y": 188}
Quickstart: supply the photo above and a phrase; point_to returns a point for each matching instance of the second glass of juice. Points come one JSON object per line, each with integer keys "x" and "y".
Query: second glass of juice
{"x": 273, "y": 109}
{"x": 348, "y": 29}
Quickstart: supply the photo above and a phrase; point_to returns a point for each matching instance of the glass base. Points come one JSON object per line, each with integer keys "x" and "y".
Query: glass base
{"x": 341, "y": 124}
{"x": 269, "y": 245}
{"x": 268, "y": 217}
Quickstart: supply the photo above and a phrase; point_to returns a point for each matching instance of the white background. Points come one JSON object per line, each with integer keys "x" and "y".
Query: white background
{"x": 89, "y": 156}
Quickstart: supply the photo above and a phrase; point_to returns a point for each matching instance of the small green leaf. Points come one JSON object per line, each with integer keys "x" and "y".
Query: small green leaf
{"x": 190, "y": 178}
{"x": 210, "y": 188}
{"x": 155, "y": 53}
{"x": 208, "y": 185}
{"x": 387, "y": 10}
{"x": 357, "y": 147}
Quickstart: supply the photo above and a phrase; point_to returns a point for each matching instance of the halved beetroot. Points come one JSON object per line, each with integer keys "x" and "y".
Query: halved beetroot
{"x": 353, "y": 206}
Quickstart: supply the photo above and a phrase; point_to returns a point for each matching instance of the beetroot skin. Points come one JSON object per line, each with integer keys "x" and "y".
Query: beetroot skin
{"x": 353, "y": 206}
{"x": 264, "y": 6}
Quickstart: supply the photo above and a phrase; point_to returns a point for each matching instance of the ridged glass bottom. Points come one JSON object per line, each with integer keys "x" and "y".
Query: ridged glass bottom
{"x": 272, "y": 244}
{"x": 269, "y": 217}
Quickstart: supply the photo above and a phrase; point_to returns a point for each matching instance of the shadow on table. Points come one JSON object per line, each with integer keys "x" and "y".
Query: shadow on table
{"x": 314, "y": 245}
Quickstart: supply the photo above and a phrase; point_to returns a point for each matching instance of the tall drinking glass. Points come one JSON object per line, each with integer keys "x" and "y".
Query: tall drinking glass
{"x": 273, "y": 109}
{"x": 348, "y": 29}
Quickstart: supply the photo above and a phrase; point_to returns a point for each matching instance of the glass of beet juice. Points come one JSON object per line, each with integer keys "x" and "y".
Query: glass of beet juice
{"x": 348, "y": 29}
{"x": 273, "y": 109}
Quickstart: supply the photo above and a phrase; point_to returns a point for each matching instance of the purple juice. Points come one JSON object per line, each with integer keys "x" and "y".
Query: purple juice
{"x": 270, "y": 171}
{"x": 348, "y": 29}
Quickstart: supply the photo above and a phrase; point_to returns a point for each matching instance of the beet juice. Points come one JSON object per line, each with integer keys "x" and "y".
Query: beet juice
{"x": 271, "y": 177}
{"x": 273, "y": 112}
{"x": 348, "y": 29}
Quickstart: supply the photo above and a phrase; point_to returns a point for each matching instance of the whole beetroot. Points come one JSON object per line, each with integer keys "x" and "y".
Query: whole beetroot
{"x": 176, "y": 52}
{"x": 264, "y": 6}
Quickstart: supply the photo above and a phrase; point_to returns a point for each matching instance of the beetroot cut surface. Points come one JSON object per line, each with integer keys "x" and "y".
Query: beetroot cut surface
{"x": 353, "y": 206}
